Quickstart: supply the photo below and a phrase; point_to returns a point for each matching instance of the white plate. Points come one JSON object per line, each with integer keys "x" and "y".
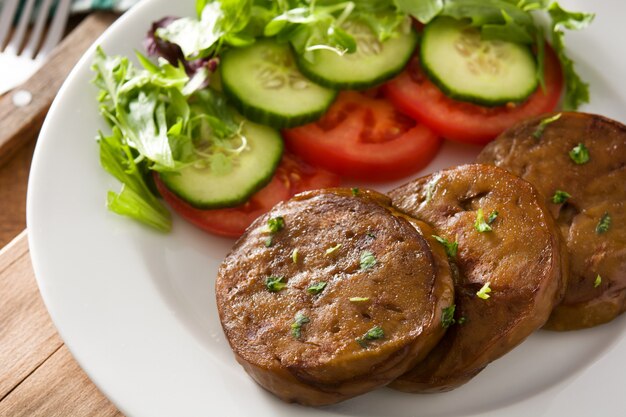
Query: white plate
{"x": 137, "y": 310}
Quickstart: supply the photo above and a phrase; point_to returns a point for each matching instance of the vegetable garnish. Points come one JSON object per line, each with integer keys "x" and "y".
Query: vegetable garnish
{"x": 294, "y": 256}
{"x": 135, "y": 198}
{"x": 447, "y": 316}
{"x": 355, "y": 191}
{"x": 316, "y": 288}
{"x": 492, "y": 217}
{"x": 597, "y": 281}
{"x": 484, "y": 291}
{"x": 480, "y": 224}
{"x": 513, "y": 21}
{"x": 275, "y": 284}
{"x": 333, "y": 249}
{"x": 560, "y": 197}
{"x": 275, "y": 224}
{"x": 542, "y": 125}
{"x": 296, "y": 327}
{"x": 312, "y": 25}
{"x": 160, "y": 122}
{"x": 451, "y": 247}
{"x": 359, "y": 299}
{"x": 375, "y": 333}
{"x": 579, "y": 154}
{"x": 367, "y": 260}
{"x": 462, "y": 320}
{"x": 219, "y": 23}
{"x": 576, "y": 90}
{"x": 604, "y": 224}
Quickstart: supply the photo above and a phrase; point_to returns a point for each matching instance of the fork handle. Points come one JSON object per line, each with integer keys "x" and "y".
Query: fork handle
{"x": 20, "y": 125}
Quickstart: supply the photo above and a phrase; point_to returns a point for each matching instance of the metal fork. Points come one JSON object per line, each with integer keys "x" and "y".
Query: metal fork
{"x": 18, "y": 63}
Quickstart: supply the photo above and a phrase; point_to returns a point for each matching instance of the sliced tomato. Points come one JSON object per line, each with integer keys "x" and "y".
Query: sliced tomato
{"x": 362, "y": 136}
{"x": 413, "y": 93}
{"x": 291, "y": 177}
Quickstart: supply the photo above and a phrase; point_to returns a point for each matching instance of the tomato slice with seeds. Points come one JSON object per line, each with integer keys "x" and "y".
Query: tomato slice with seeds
{"x": 364, "y": 137}
{"x": 291, "y": 177}
{"x": 413, "y": 93}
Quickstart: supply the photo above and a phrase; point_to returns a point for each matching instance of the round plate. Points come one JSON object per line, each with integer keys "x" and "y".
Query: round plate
{"x": 137, "y": 308}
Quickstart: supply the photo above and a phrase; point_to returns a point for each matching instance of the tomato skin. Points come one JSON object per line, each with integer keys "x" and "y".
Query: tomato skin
{"x": 413, "y": 93}
{"x": 362, "y": 136}
{"x": 291, "y": 177}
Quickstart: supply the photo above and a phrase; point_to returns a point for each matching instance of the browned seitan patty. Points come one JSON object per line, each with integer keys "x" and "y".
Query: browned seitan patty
{"x": 596, "y": 292}
{"x": 359, "y": 298}
{"x": 519, "y": 261}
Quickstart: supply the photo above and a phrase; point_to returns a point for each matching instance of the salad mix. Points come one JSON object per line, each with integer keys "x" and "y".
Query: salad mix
{"x": 364, "y": 89}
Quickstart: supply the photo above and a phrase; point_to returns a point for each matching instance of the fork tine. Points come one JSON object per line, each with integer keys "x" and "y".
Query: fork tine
{"x": 56, "y": 28}
{"x": 18, "y": 37}
{"x": 35, "y": 36}
{"x": 6, "y": 19}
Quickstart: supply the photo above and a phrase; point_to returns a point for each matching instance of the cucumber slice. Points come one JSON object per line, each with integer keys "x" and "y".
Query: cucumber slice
{"x": 264, "y": 84}
{"x": 373, "y": 63}
{"x": 466, "y": 67}
{"x": 252, "y": 169}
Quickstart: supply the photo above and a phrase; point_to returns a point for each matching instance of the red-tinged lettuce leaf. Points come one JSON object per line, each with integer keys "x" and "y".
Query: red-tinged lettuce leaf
{"x": 157, "y": 47}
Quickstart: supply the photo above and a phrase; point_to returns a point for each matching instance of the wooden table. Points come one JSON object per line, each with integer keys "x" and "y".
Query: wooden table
{"x": 38, "y": 376}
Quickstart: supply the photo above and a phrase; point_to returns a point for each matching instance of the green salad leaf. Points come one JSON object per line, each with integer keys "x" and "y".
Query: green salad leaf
{"x": 160, "y": 122}
{"x": 514, "y": 21}
{"x": 311, "y": 25}
{"x": 576, "y": 90}
{"x": 424, "y": 11}
{"x": 135, "y": 199}
{"x": 219, "y": 23}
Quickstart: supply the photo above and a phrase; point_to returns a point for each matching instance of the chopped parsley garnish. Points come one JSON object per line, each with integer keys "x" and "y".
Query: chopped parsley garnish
{"x": 560, "y": 197}
{"x": 604, "y": 224}
{"x": 359, "y": 299}
{"x": 462, "y": 320}
{"x": 492, "y": 217}
{"x": 275, "y": 224}
{"x": 579, "y": 154}
{"x": 316, "y": 288}
{"x": 333, "y": 249}
{"x": 275, "y": 284}
{"x": 375, "y": 333}
{"x": 451, "y": 247}
{"x": 294, "y": 256}
{"x": 542, "y": 125}
{"x": 296, "y": 327}
{"x": 447, "y": 316}
{"x": 597, "y": 282}
{"x": 480, "y": 224}
{"x": 355, "y": 191}
{"x": 367, "y": 260}
{"x": 484, "y": 291}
